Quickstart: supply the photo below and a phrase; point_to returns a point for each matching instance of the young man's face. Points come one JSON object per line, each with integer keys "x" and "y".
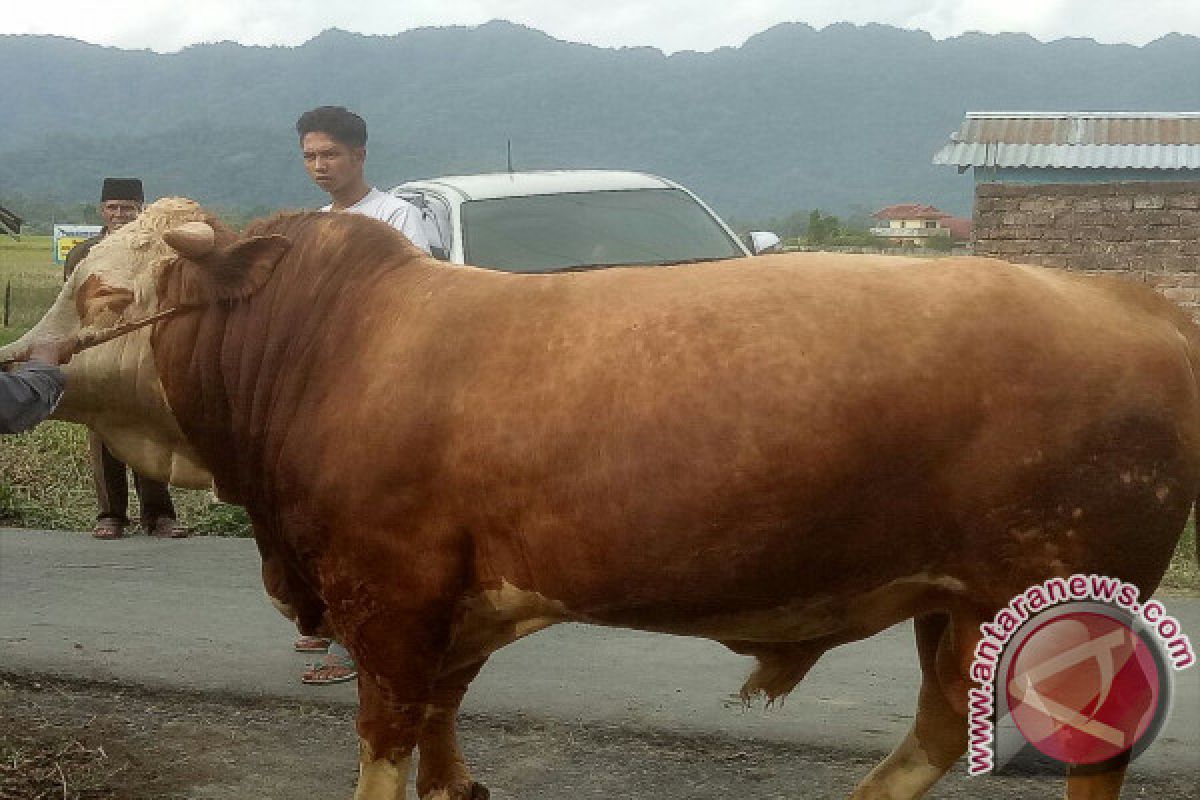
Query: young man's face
{"x": 118, "y": 212}
{"x": 331, "y": 164}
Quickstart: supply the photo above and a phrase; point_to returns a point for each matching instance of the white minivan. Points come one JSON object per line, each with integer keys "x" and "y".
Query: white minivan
{"x": 571, "y": 220}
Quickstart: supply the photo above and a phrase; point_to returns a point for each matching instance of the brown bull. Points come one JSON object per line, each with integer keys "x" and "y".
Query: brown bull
{"x": 782, "y": 454}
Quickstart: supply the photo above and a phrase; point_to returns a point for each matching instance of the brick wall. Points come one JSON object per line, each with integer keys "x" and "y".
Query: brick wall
{"x": 1148, "y": 232}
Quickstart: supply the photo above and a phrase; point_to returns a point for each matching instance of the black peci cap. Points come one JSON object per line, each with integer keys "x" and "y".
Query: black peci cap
{"x": 122, "y": 189}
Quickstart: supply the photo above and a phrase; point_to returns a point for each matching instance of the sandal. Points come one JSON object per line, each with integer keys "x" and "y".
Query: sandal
{"x": 311, "y": 644}
{"x": 108, "y": 529}
{"x": 333, "y": 671}
{"x": 166, "y": 528}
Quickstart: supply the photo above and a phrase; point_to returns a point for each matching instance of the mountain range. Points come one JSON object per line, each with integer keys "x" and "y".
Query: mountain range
{"x": 845, "y": 118}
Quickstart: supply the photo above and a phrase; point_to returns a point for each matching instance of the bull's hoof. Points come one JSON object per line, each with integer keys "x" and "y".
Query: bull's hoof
{"x": 476, "y": 791}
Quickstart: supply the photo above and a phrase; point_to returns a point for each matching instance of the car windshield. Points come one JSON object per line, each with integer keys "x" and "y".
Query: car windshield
{"x": 547, "y": 233}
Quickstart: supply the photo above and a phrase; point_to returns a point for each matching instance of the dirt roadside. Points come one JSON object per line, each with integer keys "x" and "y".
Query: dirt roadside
{"x": 86, "y": 741}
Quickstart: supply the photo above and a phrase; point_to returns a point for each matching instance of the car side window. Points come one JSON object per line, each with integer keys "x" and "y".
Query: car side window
{"x": 436, "y": 213}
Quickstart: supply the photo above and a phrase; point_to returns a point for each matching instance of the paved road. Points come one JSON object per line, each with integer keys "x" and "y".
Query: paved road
{"x": 191, "y": 614}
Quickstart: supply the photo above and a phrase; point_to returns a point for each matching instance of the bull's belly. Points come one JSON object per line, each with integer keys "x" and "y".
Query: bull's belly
{"x": 497, "y": 617}
{"x": 806, "y": 618}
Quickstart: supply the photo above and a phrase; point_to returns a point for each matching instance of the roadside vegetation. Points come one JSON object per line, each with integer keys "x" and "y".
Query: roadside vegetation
{"x": 45, "y": 481}
{"x": 816, "y": 230}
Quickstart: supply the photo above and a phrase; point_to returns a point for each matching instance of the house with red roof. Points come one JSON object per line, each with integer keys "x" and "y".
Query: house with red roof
{"x": 915, "y": 224}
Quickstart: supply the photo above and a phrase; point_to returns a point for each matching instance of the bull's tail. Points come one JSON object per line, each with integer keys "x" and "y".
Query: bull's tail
{"x": 1191, "y": 332}
{"x": 1186, "y": 324}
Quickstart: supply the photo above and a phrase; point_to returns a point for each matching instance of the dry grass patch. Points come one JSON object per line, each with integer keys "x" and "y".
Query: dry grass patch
{"x": 47, "y": 483}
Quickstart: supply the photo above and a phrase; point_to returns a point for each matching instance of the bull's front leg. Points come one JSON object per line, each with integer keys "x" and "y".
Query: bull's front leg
{"x": 443, "y": 773}
{"x": 399, "y": 640}
{"x": 397, "y": 659}
{"x": 387, "y": 733}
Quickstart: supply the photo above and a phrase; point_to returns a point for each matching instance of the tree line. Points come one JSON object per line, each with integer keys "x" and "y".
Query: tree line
{"x": 816, "y": 228}
{"x": 802, "y": 227}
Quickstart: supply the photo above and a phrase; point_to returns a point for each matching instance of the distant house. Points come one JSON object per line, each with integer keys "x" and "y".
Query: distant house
{"x": 1089, "y": 191}
{"x": 914, "y": 224}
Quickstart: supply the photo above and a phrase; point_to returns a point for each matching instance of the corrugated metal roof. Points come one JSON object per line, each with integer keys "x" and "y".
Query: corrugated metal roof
{"x": 1071, "y": 156}
{"x": 1135, "y": 140}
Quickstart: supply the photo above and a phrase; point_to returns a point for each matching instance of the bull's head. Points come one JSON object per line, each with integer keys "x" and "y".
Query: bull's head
{"x": 114, "y": 388}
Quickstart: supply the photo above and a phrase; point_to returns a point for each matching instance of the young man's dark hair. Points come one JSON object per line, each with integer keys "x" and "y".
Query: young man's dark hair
{"x": 344, "y": 126}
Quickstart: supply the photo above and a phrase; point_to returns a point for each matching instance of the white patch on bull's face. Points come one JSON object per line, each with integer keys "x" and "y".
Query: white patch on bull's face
{"x": 114, "y": 388}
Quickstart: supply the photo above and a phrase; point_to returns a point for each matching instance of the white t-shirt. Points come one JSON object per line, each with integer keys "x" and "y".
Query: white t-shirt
{"x": 400, "y": 214}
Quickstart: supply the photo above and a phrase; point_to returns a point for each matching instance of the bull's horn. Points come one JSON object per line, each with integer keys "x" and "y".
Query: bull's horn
{"x": 192, "y": 239}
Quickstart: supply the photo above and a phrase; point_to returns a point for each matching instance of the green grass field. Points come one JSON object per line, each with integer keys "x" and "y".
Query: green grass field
{"x": 45, "y": 481}
{"x": 27, "y": 268}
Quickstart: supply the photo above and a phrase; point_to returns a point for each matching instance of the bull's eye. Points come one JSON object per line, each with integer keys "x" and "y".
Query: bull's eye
{"x": 101, "y": 305}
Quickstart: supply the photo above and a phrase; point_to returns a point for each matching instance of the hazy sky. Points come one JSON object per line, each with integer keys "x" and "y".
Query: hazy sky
{"x": 670, "y": 25}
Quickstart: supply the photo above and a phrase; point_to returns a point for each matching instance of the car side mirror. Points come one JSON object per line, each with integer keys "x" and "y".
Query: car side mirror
{"x": 764, "y": 242}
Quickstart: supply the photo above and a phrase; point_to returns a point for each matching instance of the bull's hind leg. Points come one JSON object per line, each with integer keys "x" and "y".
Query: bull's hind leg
{"x": 938, "y": 736}
{"x": 442, "y": 773}
{"x": 1101, "y": 786}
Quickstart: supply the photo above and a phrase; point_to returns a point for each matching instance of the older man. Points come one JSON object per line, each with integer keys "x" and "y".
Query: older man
{"x": 121, "y": 201}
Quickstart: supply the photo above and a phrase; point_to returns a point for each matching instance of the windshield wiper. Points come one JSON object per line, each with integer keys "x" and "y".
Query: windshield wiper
{"x": 589, "y": 267}
{"x": 690, "y": 261}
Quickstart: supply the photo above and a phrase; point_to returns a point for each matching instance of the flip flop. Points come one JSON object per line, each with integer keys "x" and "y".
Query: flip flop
{"x": 328, "y": 674}
{"x": 311, "y": 644}
{"x": 108, "y": 529}
{"x": 167, "y": 528}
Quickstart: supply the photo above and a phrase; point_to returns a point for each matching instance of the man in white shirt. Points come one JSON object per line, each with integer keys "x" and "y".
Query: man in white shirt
{"x": 334, "y": 143}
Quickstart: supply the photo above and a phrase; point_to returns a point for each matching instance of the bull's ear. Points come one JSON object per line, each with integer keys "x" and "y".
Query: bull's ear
{"x": 241, "y": 269}
{"x": 233, "y": 272}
